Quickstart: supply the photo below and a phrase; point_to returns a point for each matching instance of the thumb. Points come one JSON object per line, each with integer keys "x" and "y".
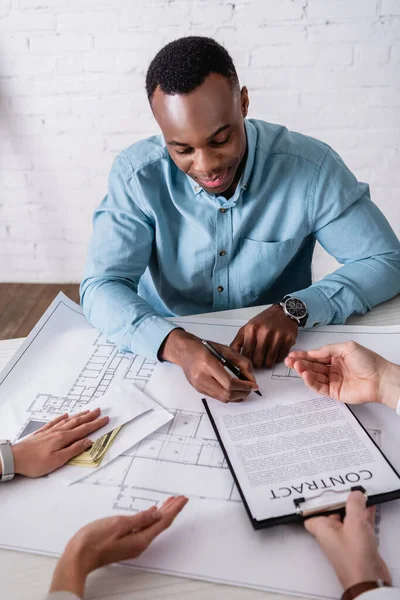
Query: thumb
{"x": 356, "y": 505}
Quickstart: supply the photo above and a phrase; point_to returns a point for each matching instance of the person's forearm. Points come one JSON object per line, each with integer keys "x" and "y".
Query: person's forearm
{"x": 355, "y": 288}
{"x": 115, "y": 309}
{"x": 389, "y": 387}
{"x": 69, "y": 576}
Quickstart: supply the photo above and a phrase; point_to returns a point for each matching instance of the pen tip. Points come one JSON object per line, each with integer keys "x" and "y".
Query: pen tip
{"x": 259, "y": 393}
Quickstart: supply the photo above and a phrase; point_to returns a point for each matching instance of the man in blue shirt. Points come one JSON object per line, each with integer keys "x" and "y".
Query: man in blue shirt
{"x": 222, "y": 212}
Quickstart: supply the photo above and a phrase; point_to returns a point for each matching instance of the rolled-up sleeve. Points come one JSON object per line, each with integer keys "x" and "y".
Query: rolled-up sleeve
{"x": 119, "y": 253}
{"x": 350, "y": 227}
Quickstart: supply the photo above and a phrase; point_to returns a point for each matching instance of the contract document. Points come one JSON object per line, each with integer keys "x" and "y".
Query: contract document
{"x": 295, "y": 456}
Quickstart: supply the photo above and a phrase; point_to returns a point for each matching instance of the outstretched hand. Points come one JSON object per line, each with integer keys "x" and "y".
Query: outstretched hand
{"x": 111, "y": 540}
{"x": 347, "y": 372}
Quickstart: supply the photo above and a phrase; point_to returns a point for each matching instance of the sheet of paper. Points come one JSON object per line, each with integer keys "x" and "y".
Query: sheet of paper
{"x": 121, "y": 404}
{"x": 284, "y": 448}
{"x": 149, "y": 418}
{"x": 183, "y": 456}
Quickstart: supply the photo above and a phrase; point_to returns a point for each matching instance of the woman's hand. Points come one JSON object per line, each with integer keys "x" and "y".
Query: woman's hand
{"x": 111, "y": 540}
{"x": 348, "y": 372}
{"x": 351, "y": 547}
{"x": 56, "y": 443}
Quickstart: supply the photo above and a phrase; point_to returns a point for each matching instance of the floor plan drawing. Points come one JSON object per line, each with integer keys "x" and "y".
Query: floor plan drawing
{"x": 106, "y": 365}
{"x": 281, "y": 371}
{"x": 186, "y": 441}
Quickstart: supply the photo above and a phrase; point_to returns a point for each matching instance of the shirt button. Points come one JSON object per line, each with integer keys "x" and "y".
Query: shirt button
{"x": 222, "y": 210}
{"x": 220, "y": 288}
{"x": 196, "y": 188}
{"x": 222, "y": 253}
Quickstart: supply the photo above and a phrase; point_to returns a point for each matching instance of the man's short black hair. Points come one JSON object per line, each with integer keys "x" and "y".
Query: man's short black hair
{"x": 182, "y": 65}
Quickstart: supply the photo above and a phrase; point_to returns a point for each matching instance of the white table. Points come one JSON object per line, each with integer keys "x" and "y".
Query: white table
{"x": 27, "y": 576}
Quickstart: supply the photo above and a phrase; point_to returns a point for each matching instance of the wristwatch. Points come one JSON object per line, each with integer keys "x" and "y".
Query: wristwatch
{"x": 295, "y": 309}
{"x": 6, "y": 460}
{"x": 365, "y": 586}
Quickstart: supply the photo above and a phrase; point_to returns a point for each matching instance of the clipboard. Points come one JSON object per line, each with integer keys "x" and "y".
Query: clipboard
{"x": 301, "y": 510}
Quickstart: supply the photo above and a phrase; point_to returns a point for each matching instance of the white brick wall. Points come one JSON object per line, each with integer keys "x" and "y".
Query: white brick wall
{"x": 72, "y": 96}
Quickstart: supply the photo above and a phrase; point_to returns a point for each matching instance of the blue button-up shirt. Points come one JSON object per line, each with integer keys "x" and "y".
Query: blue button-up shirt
{"x": 162, "y": 246}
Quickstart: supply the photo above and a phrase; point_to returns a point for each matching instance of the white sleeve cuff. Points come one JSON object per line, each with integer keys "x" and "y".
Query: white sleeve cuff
{"x": 62, "y": 596}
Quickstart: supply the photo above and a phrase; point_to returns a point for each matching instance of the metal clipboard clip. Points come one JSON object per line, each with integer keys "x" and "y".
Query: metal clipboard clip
{"x": 308, "y": 512}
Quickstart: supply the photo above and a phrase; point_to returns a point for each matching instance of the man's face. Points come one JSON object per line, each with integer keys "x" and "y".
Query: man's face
{"x": 205, "y": 133}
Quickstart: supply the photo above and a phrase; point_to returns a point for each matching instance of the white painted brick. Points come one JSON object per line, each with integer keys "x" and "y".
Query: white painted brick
{"x": 11, "y": 64}
{"x": 5, "y": 7}
{"x": 60, "y": 43}
{"x": 250, "y": 38}
{"x": 50, "y": 180}
{"x": 395, "y": 54}
{"x": 334, "y": 54}
{"x": 371, "y": 54}
{"x": 277, "y": 56}
{"x": 59, "y": 249}
{"x": 211, "y": 13}
{"x": 91, "y": 21}
{"x": 69, "y": 63}
{"x": 4, "y": 235}
{"x": 14, "y": 248}
{"x": 16, "y": 162}
{"x": 35, "y": 232}
{"x": 138, "y": 60}
{"x": 15, "y": 43}
{"x": 12, "y": 179}
{"x": 41, "y": 5}
{"x": 37, "y": 105}
{"x": 268, "y": 11}
{"x": 87, "y": 83}
{"x": 29, "y": 124}
{"x": 82, "y": 105}
{"x": 381, "y": 97}
{"x": 341, "y": 9}
{"x": 40, "y": 213}
{"x": 136, "y": 40}
{"x": 10, "y": 213}
{"x": 390, "y": 7}
{"x": 99, "y": 62}
{"x": 358, "y": 31}
{"x": 386, "y": 29}
{"x": 22, "y": 21}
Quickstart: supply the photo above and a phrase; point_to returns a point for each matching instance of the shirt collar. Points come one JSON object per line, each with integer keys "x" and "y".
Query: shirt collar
{"x": 251, "y": 135}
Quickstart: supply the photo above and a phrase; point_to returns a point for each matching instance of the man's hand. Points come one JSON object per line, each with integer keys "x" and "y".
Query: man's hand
{"x": 111, "y": 540}
{"x": 267, "y": 338}
{"x": 348, "y": 372}
{"x": 56, "y": 443}
{"x": 204, "y": 371}
{"x": 351, "y": 546}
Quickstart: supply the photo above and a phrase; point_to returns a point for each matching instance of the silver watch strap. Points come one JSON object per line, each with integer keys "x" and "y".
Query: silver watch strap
{"x": 7, "y": 462}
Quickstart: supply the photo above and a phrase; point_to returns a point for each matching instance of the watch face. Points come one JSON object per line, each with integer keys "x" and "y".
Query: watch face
{"x": 296, "y": 307}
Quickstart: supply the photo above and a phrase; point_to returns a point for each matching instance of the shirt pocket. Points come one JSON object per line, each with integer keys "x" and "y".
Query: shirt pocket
{"x": 261, "y": 263}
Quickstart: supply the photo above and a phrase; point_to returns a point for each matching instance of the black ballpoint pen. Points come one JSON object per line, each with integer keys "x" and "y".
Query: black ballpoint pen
{"x": 227, "y": 363}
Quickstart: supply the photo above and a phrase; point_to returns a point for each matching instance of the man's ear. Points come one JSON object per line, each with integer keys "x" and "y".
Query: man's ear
{"x": 244, "y": 101}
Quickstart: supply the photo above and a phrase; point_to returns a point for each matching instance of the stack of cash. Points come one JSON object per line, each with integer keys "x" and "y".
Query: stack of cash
{"x": 92, "y": 458}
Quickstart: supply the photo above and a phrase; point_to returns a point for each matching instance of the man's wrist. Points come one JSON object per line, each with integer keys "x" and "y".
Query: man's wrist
{"x": 389, "y": 386}
{"x": 174, "y": 345}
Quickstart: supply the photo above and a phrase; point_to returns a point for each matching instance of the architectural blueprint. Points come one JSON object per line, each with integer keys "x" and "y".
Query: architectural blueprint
{"x": 66, "y": 358}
